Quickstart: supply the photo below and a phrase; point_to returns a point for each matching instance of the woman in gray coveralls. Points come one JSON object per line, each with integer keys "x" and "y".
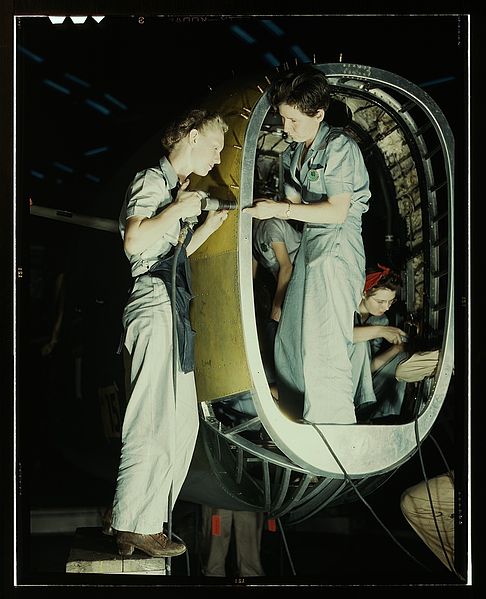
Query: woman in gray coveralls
{"x": 160, "y": 430}
{"x": 326, "y": 168}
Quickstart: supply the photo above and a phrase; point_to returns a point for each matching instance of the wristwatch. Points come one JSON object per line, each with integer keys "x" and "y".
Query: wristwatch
{"x": 287, "y": 212}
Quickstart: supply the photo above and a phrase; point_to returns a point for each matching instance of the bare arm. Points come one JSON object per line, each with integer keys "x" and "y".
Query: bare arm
{"x": 141, "y": 231}
{"x": 375, "y": 331}
{"x": 393, "y": 335}
{"x": 212, "y": 223}
{"x": 385, "y": 356}
{"x": 283, "y": 278}
{"x": 333, "y": 210}
{"x": 254, "y": 266}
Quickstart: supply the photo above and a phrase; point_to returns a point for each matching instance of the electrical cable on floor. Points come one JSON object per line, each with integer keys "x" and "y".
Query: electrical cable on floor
{"x": 349, "y": 480}
{"x": 188, "y": 567}
{"x": 286, "y": 546}
{"x": 448, "y": 469}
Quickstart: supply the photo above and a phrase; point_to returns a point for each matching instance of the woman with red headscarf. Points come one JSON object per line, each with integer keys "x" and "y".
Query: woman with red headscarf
{"x": 380, "y": 361}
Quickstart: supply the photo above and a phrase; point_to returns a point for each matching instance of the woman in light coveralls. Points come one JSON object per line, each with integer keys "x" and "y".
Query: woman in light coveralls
{"x": 315, "y": 333}
{"x": 275, "y": 244}
{"x": 159, "y": 434}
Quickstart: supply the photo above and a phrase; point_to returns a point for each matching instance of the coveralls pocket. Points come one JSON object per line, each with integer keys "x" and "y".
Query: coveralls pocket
{"x": 314, "y": 191}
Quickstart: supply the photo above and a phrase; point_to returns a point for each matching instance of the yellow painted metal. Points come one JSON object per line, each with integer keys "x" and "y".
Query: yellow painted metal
{"x": 221, "y": 367}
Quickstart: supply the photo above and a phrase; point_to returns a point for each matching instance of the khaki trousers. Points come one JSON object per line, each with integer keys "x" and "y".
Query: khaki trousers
{"x": 247, "y": 528}
{"x": 415, "y": 506}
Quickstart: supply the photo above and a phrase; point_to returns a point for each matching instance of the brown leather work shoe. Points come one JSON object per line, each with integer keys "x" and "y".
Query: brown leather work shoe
{"x": 156, "y": 545}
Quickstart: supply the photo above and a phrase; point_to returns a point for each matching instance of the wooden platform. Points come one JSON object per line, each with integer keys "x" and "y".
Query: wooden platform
{"x": 95, "y": 553}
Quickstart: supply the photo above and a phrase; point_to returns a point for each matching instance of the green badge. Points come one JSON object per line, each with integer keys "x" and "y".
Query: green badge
{"x": 313, "y": 175}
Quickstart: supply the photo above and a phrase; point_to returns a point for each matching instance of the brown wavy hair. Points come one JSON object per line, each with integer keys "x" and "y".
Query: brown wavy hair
{"x": 305, "y": 88}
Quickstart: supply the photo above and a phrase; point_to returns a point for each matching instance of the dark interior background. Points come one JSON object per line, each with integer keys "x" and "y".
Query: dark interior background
{"x": 91, "y": 100}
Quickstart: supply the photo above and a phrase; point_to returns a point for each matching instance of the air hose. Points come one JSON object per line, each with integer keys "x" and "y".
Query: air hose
{"x": 175, "y": 359}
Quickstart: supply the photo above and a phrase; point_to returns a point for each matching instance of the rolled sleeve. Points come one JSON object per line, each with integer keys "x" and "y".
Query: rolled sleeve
{"x": 148, "y": 193}
{"x": 340, "y": 171}
{"x": 275, "y": 231}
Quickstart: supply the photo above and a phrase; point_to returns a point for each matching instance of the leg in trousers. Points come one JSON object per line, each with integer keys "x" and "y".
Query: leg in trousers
{"x": 248, "y": 535}
{"x": 215, "y": 546}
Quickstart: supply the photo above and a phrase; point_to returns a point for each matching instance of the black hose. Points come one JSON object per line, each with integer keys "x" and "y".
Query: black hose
{"x": 431, "y": 503}
{"x": 286, "y": 547}
{"x": 175, "y": 359}
{"x": 355, "y": 489}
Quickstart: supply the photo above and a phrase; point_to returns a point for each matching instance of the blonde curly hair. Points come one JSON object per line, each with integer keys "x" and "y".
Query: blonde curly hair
{"x": 194, "y": 119}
